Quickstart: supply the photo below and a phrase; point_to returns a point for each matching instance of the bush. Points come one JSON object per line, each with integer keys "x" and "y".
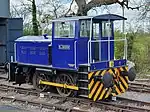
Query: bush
{"x": 138, "y": 51}
{"x": 141, "y": 54}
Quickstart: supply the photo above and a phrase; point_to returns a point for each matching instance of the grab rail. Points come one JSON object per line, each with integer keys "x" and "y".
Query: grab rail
{"x": 75, "y": 54}
{"x": 94, "y": 41}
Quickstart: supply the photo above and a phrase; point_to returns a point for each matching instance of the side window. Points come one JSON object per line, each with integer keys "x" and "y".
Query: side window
{"x": 65, "y": 29}
{"x": 85, "y": 28}
{"x": 96, "y": 30}
{"x": 106, "y": 29}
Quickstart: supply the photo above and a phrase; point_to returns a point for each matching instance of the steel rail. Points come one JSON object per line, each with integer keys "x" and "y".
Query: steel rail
{"x": 139, "y": 87}
{"x": 102, "y": 104}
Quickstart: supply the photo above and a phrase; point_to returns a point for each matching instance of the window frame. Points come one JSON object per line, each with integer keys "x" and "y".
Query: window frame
{"x": 87, "y": 27}
{"x": 105, "y": 31}
{"x": 57, "y": 28}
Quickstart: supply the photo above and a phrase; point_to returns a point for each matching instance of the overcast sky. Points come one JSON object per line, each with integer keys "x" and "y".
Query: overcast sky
{"x": 131, "y": 15}
{"x": 115, "y": 9}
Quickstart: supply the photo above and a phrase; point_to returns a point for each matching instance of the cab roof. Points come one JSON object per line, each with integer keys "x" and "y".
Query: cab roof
{"x": 104, "y": 17}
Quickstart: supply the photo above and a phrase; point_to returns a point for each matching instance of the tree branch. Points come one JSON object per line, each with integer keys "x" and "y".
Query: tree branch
{"x": 84, "y": 8}
{"x": 69, "y": 8}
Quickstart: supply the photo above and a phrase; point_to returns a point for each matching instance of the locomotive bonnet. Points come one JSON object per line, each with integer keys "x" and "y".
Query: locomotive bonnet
{"x": 78, "y": 60}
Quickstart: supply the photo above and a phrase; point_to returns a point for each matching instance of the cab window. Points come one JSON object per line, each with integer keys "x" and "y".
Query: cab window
{"x": 96, "y": 31}
{"x": 65, "y": 29}
{"x": 85, "y": 28}
{"x": 106, "y": 29}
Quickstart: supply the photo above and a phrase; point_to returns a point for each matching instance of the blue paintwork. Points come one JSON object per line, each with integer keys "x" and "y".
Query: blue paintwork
{"x": 60, "y": 57}
{"x": 104, "y": 46}
{"x": 64, "y": 58}
{"x": 120, "y": 62}
{"x": 34, "y": 52}
{"x": 82, "y": 50}
{"x": 105, "y": 65}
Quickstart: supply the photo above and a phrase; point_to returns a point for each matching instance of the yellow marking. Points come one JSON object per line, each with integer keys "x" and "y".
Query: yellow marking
{"x": 121, "y": 69}
{"x": 102, "y": 94}
{"x": 110, "y": 71}
{"x": 90, "y": 75}
{"x": 103, "y": 73}
{"x": 124, "y": 82}
{"x": 108, "y": 93}
{"x": 121, "y": 86}
{"x": 91, "y": 83}
{"x": 93, "y": 90}
{"x": 117, "y": 74}
{"x": 97, "y": 73}
{"x": 126, "y": 68}
{"x": 117, "y": 71}
{"x": 114, "y": 94}
{"x": 126, "y": 78}
{"x": 98, "y": 92}
{"x": 111, "y": 63}
{"x": 58, "y": 85}
{"x": 113, "y": 73}
{"x": 118, "y": 91}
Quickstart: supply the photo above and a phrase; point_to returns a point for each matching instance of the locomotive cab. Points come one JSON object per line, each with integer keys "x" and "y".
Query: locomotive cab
{"x": 87, "y": 41}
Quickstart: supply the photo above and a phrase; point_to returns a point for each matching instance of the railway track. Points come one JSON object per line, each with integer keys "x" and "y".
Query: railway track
{"x": 142, "y": 80}
{"x": 139, "y": 87}
{"x": 76, "y": 103}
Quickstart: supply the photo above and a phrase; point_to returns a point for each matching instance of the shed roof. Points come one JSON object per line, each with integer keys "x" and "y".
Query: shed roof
{"x": 103, "y": 17}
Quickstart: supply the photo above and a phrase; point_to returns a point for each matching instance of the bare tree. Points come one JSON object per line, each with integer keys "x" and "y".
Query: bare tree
{"x": 34, "y": 19}
{"x": 84, "y": 7}
{"x": 38, "y": 16}
{"x": 145, "y": 9}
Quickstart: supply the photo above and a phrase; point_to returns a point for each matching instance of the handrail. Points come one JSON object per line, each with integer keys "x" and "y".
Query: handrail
{"x": 94, "y": 41}
{"x": 107, "y": 40}
{"x": 15, "y": 51}
{"x": 75, "y": 54}
{"x": 89, "y": 53}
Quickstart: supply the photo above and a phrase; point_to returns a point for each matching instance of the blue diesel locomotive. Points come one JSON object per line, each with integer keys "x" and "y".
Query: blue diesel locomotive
{"x": 78, "y": 59}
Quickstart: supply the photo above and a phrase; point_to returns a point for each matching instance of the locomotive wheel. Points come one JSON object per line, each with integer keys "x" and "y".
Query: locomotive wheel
{"x": 65, "y": 79}
{"x": 36, "y": 78}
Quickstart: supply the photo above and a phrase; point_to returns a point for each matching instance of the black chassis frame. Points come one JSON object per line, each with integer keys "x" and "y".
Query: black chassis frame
{"x": 19, "y": 78}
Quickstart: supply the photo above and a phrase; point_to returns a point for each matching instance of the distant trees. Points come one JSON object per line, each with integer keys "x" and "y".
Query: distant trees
{"x": 27, "y": 10}
{"x": 37, "y": 14}
{"x": 145, "y": 14}
{"x": 35, "y": 27}
{"x": 145, "y": 9}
